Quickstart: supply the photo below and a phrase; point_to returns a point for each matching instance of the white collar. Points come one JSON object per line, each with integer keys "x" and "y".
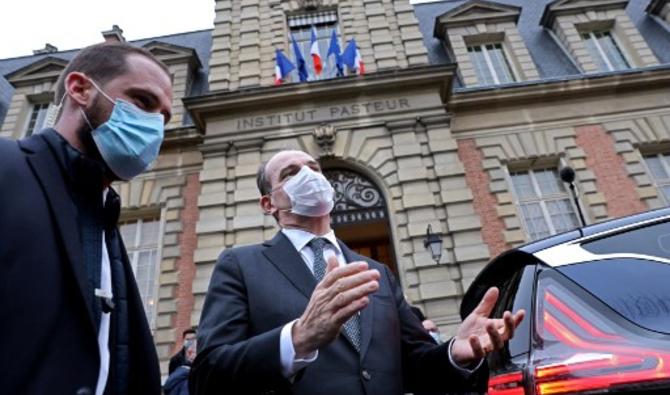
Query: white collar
{"x": 300, "y": 238}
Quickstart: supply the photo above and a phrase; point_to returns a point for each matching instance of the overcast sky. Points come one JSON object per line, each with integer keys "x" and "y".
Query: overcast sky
{"x": 26, "y": 25}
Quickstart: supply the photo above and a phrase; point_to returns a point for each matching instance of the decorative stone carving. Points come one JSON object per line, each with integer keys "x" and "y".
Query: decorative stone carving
{"x": 325, "y": 135}
{"x": 309, "y": 4}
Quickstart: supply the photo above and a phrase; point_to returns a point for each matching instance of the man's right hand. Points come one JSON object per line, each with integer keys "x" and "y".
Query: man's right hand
{"x": 342, "y": 293}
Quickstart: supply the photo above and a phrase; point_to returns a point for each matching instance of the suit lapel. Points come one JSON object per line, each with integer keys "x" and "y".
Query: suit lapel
{"x": 46, "y": 169}
{"x": 366, "y": 313}
{"x": 287, "y": 260}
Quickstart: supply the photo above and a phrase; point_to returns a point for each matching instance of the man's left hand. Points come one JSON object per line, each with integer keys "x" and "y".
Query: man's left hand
{"x": 479, "y": 335}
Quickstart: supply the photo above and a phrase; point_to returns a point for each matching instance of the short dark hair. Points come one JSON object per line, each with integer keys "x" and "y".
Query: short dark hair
{"x": 188, "y": 331}
{"x": 262, "y": 182}
{"x": 103, "y": 62}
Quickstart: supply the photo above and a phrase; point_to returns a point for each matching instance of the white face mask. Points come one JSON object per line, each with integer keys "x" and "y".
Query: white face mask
{"x": 310, "y": 193}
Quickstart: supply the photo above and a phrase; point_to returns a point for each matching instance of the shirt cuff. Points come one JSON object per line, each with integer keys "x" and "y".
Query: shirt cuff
{"x": 289, "y": 364}
{"x": 465, "y": 372}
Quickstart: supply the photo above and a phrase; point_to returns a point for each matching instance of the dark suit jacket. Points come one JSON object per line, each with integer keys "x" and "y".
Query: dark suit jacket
{"x": 48, "y": 337}
{"x": 255, "y": 290}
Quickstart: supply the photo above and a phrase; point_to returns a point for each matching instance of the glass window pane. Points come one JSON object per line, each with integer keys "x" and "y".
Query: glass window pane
{"x": 595, "y": 54}
{"x": 149, "y": 233}
{"x": 499, "y": 63}
{"x": 484, "y": 75}
{"x": 656, "y": 168}
{"x": 666, "y": 192}
{"x": 37, "y": 117}
{"x": 303, "y": 36}
{"x": 128, "y": 232}
{"x": 635, "y": 288}
{"x": 145, "y": 277}
{"x": 651, "y": 240}
{"x": 612, "y": 51}
{"x": 535, "y": 221}
{"x": 549, "y": 182}
{"x": 523, "y": 186}
{"x": 562, "y": 215}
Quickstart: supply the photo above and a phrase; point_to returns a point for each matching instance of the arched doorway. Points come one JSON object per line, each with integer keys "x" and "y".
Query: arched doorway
{"x": 360, "y": 216}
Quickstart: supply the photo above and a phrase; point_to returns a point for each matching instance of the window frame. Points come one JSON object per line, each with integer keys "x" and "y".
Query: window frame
{"x": 540, "y": 199}
{"x": 602, "y": 53}
{"x": 34, "y": 115}
{"x": 665, "y": 162}
{"x": 329, "y": 70}
{"x": 133, "y": 255}
{"x": 489, "y": 63}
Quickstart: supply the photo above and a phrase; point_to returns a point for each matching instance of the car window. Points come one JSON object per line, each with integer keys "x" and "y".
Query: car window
{"x": 651, "y": 240}
{"x": 516, "y": 294}
{"x": 635, "y": 288}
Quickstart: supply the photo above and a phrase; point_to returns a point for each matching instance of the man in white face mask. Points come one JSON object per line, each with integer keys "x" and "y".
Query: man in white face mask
{"x": 303, "y": 314}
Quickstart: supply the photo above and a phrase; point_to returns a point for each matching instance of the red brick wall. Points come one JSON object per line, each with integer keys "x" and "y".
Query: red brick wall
{"x": 609, "y": 168}
{"x": 185, "y": 264}
{"x": 483, "y": 200}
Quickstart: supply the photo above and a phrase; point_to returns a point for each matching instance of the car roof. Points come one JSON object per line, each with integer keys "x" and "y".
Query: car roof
{"x": 515, "y": 258}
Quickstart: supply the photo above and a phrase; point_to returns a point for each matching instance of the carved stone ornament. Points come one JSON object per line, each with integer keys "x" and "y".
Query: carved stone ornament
{"x": 325, "y": 135}
{"x": 309, "y": 4}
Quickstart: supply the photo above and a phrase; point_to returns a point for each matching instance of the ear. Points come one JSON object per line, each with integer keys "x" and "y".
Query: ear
{"x": 266, "y": 205}
{"x": 78, "y": 88}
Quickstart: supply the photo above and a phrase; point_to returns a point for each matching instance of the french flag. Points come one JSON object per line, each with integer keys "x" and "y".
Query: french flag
{"x": 283, "y": 66}
{"x": 352, "y": 57}
{"x": 314, "y": 51}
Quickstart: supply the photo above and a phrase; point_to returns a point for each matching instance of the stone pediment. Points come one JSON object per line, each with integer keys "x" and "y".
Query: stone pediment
{"x": 473, "y": 12}
{"x": 569, "y": 7}
{"x": 48, "y": 68}
{"x": 170, "y": 53}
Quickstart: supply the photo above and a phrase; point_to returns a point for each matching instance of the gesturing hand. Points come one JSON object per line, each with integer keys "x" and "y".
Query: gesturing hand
{"x": 341, "y": 294}
{"x": 479, "y": 335}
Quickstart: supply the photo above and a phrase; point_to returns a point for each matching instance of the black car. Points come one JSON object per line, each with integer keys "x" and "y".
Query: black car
{"x": 598, "y": 310}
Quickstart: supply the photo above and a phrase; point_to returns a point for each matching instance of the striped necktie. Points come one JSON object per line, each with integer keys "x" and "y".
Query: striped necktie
{"x": 352, "y": 328}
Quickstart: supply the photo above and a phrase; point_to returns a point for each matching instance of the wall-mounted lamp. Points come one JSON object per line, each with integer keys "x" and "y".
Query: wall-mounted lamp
{"x": 433, "y": 243}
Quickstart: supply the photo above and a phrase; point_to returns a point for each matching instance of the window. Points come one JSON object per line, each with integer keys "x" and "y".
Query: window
{"x": 37, "y": 117}
{"x": 659, "y": 167}
{"x": 604, "y": 51}
{"x": 545, "y": 204}
{"x": 301, "y": 29}
{"x": 490, "y": 64}
{"x": 141, "y": 239}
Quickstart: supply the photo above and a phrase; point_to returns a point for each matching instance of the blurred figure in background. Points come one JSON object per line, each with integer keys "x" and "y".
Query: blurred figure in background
{"x": 177, "y": 382}
{"x": 180, "y": 358}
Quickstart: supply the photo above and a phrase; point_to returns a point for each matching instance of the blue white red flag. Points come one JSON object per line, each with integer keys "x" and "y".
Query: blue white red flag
{"x": 352, "y": 57}
{"x": 300, "y": 63}
{"x": 316, "y": 55}
{"x": 283, "y": 66}
{"x": 334, "y": 49}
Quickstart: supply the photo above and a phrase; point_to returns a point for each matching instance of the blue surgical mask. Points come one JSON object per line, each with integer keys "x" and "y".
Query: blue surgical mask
{"x": 130, "y": 140}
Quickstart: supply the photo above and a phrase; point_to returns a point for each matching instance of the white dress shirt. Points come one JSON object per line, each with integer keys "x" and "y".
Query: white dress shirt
{"x": 300, "y": 239}
{"x": 103, "y": 331}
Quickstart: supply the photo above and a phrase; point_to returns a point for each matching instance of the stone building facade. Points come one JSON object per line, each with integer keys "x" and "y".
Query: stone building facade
{"x": 466, "y": 112}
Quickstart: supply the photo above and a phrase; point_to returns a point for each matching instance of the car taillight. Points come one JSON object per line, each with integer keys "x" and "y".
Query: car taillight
{"x": 506, "y": 384}
{"x": 583, "y": 349}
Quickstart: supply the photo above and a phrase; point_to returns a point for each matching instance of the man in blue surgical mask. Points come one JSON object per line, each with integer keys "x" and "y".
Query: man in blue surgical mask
{"x": 303, "y": 314}
{"x": 72, "y": 318}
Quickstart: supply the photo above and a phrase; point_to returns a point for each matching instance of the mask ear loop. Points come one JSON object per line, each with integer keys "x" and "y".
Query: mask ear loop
{"x": 100, "y": 90}
{"x": 59, "y": 105}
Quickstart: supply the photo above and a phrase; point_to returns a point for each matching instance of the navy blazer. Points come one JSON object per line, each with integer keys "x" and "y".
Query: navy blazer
{"x": 48, "y": 337}
{"x": 255, "y": 290}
